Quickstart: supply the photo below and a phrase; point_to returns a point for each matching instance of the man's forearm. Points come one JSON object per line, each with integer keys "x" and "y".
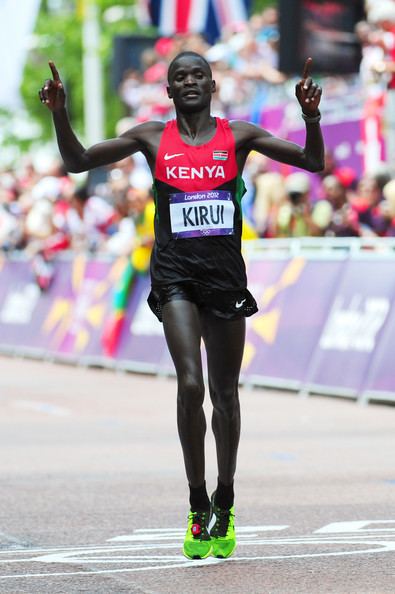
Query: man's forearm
{"x": 314, "y": 145}
{"x": 70, "y": 147}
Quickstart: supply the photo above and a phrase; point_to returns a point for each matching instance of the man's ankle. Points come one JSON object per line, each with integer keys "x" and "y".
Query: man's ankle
{"x": 198, "y": 498}
{"x": 224, "y": 495}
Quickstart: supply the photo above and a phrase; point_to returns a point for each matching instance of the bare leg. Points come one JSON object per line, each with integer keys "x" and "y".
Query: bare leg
{"x": 182, "y": 326}
{"x": 224, "y": 341}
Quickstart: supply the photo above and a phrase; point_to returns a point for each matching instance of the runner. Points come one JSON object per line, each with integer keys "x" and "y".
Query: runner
{"x": 199, "y": 286}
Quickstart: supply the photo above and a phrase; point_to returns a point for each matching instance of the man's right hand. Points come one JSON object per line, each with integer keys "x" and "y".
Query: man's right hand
{"x": 52, "y": 93}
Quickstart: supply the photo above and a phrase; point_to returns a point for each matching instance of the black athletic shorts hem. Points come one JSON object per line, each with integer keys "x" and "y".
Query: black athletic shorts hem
{"x": 229, "y": 305}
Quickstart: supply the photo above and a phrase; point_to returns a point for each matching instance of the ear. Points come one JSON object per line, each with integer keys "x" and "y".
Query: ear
{"x": 213, "y": 86}
{"x": 169, "y": 93}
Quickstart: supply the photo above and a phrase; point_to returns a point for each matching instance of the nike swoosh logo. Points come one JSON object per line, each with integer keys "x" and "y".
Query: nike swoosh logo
{"x": 212, "y": 521}
{"x": 239, "y": 304}
{"x": 167, "y": 156}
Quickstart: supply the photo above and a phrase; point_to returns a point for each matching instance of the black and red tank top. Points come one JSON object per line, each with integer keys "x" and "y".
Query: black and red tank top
{"x": 198, "y": 219}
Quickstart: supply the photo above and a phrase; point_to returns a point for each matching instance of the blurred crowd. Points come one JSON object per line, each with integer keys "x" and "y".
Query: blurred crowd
{"x": 244, "y": 62}
{"x": 46, "y": 212}
{"x": 335, "y": 203}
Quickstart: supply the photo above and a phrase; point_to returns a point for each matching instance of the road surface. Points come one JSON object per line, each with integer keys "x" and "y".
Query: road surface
{"x": 93, "y": 496}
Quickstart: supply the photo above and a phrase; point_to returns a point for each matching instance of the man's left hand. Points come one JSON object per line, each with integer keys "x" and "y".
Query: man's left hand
{"x": 308, "y": 93}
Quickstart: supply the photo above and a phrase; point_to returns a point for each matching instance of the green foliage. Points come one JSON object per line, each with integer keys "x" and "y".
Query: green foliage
{"x": 58, "y": 37}
{"x": 259, "y": 5}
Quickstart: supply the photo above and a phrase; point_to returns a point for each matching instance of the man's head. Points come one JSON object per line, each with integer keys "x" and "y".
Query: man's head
{"x": 190, "y": 82}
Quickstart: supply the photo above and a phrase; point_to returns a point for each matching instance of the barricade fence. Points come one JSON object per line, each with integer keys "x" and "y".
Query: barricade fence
{"x": 325, "y": 325}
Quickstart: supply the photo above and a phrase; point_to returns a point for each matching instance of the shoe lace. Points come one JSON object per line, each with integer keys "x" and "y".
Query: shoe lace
{"x": 201, "y": 518}
{"x": 222, "y": 519}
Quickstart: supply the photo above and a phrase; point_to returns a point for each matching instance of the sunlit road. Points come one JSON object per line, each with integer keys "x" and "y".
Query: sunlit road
{"x": 93, "y": 496}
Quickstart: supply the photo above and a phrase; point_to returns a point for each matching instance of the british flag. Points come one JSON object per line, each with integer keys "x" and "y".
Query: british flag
{"x": 197, "y": 16}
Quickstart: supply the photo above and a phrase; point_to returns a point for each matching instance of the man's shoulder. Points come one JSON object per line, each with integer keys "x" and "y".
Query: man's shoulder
{"x": 236, "y": 124}
{"x": 145, "y": 129}
{"x": 152, "y": 125}
{"x": 244, "y": 130}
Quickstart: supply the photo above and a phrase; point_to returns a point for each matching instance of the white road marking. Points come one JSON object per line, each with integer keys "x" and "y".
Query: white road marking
{"x": 143, "y": 554}
{"x": 355, "y": 526}
{"x": 163, "y": 534}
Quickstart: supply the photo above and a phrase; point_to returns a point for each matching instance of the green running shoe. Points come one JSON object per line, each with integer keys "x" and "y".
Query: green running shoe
{"x": 197, "y": 543}
{"x": 223, "y": 536}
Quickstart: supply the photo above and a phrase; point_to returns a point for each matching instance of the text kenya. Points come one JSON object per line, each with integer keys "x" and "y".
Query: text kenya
{"x": 195, "y": 172}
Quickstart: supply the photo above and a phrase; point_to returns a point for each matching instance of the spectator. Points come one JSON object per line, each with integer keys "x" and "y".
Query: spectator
{"x": 388, "y": 207}
{"x": 88, "y": 220}
{"x": 367, "y": 205}
{"x": 39, "y": 220}
{"x": 27, "y": 175}
{"x": 10, "y": 227}
{"x": 124, "y": 238}
{"x": 333, "y": 216}
{"x": 142, "y": 209}
{"x": 36, "y": 209}
{"x": 382, "y": 15}
{"x": 294, "y": 215}
{"x": 269, "y": 192}
{"x": 372, "y": 54}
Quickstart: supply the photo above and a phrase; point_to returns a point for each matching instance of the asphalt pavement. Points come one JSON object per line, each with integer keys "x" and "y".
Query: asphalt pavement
{"x": 93, "y": 496}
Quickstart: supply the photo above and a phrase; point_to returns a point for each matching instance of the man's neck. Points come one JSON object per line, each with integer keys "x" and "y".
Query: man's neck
{"x": 195, "y": 126}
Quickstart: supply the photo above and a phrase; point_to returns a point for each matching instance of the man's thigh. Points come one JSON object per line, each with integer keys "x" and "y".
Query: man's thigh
{"x": 183, "y": 333}
{"x": 224, "y": 341}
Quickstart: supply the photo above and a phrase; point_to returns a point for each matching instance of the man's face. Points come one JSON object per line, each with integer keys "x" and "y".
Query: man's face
{"x": 190, "y": 84}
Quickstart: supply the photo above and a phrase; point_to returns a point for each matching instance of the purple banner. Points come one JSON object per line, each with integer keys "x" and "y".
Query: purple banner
{"x": 68, "y": 318}
{"x": 343, "y": 139}
{"x": 294, "y": 297}
{"x": 381, "y": 376}
{"x": 23, "y": 307}
{"x": 354, "y": 326}
{"x": 74, "y": 324}
{"x": 142, "y": 343}
{"x": 325, "y": 325}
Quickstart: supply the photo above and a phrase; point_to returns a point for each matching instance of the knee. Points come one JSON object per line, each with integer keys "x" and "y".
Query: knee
{"x": 226, "y": 400}
{"x": 190, "y": 394}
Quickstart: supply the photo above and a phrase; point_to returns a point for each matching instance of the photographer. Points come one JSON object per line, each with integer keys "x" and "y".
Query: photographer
{"x": 294, "y": 215}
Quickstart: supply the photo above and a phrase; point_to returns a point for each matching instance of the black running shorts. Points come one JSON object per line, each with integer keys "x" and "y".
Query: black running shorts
{"x": 228, "y": 305}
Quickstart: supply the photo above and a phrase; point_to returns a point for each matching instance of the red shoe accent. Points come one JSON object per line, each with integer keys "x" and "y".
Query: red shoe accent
{"x": 196, "y": 529}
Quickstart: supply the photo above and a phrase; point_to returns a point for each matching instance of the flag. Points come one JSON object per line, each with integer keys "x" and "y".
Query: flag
{"x": 138, "y": 263}
{"x": 220, "y": 155}
{"x": 114, "y": 323}
{"x": 208, "y": 17}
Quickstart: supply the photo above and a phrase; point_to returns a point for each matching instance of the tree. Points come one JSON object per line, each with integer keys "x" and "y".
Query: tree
{"x": 58, "y": 37}
{"x": 259, "y": 5}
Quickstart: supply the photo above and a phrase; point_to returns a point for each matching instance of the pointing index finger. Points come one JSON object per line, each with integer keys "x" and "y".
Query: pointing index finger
{"x": 306, "y": 69}
{"x": 54, "y": 71}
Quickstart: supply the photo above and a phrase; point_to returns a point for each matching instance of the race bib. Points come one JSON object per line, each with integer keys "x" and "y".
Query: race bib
{"x": 201, "y": 214}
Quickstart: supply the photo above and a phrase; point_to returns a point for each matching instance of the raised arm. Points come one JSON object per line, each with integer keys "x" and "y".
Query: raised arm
{"x": 75, "y": 156}
{"x": 310, "y": 157}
